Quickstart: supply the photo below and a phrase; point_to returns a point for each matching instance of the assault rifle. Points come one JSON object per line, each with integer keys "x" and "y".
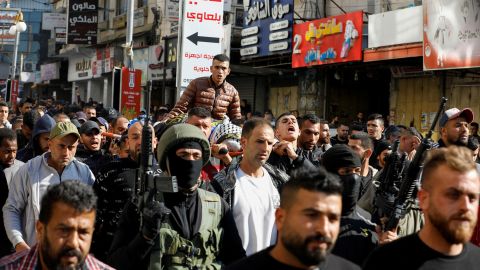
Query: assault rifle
{"x": 389, "y": 183}
{"x": 411, "y": 180}
{"x": 149, "y": 184}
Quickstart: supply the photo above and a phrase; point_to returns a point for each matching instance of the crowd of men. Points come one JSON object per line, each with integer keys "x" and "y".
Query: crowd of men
{"x": 224, "y": 192}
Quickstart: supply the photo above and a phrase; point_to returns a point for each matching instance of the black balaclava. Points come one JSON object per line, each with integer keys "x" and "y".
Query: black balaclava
{"x": 186, "y": 171}
{"x": 351, "y": 189}
{"x": 340, "y": 156}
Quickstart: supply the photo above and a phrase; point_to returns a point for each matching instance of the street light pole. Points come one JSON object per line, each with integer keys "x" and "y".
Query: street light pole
{"x": 15, "y": 55}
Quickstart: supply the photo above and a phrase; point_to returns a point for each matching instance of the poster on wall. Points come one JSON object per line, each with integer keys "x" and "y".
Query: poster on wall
{"x": 328, "y": 40}
{"x": 451, "y": 34}
{"x": 131, "y": 92}
{"x": 267, "y": 27}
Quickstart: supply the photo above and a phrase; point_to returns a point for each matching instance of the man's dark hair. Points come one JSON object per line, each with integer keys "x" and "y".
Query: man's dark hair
{"x": 7, "y": 134}
{"x": 3, "y": 104}
{"x": 281, "y": 116}
{"x": 199, "y": 112}
{"x": 29, "y": 119}
{"x": 89, "y": 107}
{"x": 474, "y": 124}
{"x": 251, "y": 124}
{"x": 221, "y": 58}
{"x": 356, "y": 127}
{"x": 365, "y": 141}
{"x": 72, "y": 193}
{"x": 312, "y": 118}
{"x": 311, "y": 179}
{"x": 376, "y": 116}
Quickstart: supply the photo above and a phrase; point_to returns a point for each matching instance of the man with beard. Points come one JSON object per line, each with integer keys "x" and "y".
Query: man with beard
{"x": 324, "y": 139}
{"x": 251, "y": 187}
{"x": 285, "y": 153}
{"x": 90, "y": 152}
{"x": 361, "y": 144}
{"x": 308, "y": 139}
{"x": 65, "y": 228}
{"x": 308, "y": 222}
{"x": 189, "y": 229}
{"x": 449, "y": 199}
{"x": 32, "y": 179}
{"x": 115, "y": 187}
{"x": 39, "y": 141}
{"x": 342, "y": 135}
{"x": 8, "y": 167}
{"x": 454, "y": 127}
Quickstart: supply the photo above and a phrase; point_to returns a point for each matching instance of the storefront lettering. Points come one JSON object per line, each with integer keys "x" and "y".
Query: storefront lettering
{"x": 83, "y": 6}
{"x": 331, "y": 27}
{"x": 83, "y": 19}
{"x": 315, "y": 55}
{"x": 261, "y": 10}
{"x": 83, "y": 65}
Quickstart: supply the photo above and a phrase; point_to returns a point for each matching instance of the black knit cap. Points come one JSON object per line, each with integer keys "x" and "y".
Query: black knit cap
{"x": 382, "y": 145}
{"x": 340, "y": 156}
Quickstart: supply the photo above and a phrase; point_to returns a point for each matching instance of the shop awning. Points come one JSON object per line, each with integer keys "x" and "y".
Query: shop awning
{"x": 393, "y": 52}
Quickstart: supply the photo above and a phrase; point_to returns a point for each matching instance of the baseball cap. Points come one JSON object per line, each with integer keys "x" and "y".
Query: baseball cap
{"x": 63, "y": 129}
{"x": 88, "y": 126}
{"x": 453, "y": 113}
{"x": 100, "y": 121}
{"x": 81, "y": 116}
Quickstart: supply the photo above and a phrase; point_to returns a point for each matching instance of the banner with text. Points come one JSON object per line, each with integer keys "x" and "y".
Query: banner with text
{"x": 131, "y": 92}
{"x": 328, "y": 40}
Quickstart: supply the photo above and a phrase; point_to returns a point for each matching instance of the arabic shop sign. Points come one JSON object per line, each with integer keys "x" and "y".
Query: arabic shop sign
{"x": 82, "y": 22}
{"x": 7, "y": 19}
{"x": 267, "y": 27}
{"x": 328, "y": 40}
{"x": 201, "y": 38}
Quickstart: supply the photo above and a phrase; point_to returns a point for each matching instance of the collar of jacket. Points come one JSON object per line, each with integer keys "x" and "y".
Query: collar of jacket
{"x": 278, "y": 176}
{"x": 214, "y": 85}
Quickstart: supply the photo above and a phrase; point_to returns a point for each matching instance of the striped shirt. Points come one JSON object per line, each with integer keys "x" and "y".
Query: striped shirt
{"x": 28, "y": 260}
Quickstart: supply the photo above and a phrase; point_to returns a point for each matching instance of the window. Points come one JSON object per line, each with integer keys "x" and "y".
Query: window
{"x": 121, "y": 7}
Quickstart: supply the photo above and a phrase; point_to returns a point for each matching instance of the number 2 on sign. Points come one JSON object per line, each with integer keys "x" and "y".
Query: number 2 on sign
{"x": 297, "y": 39}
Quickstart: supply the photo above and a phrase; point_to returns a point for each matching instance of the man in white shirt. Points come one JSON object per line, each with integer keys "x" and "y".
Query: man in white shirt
{"x": 251, "y": 187}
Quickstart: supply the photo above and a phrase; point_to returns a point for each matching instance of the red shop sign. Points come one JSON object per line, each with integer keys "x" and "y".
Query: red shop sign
{"x": 328, "y": 40}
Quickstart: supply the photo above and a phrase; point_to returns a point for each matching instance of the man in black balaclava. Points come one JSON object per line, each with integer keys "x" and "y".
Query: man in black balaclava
{"x": 197, "y": 227}
{"x": 357, "y": 236}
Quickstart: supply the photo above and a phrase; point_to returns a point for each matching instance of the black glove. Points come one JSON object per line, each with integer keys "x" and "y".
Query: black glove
{"x": 153, "y": 214}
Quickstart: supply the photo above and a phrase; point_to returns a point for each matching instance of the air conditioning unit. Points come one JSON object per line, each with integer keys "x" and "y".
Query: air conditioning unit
{"x": 28, "y": 66}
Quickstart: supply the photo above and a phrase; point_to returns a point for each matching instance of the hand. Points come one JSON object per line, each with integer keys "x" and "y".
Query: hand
{"x": 153, "y": 214}
{"x": 220, "y": 151}
{"x": 387, "y": 236}
{"x": 21, "y": 247}
{"x": 285, "y": 148}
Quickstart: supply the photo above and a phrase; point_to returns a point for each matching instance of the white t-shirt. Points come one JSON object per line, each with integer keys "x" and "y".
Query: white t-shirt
{"x": 254, "y": 204}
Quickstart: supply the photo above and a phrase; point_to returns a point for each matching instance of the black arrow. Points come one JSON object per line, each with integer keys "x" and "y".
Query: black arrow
{"x": 195, "y": 38}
